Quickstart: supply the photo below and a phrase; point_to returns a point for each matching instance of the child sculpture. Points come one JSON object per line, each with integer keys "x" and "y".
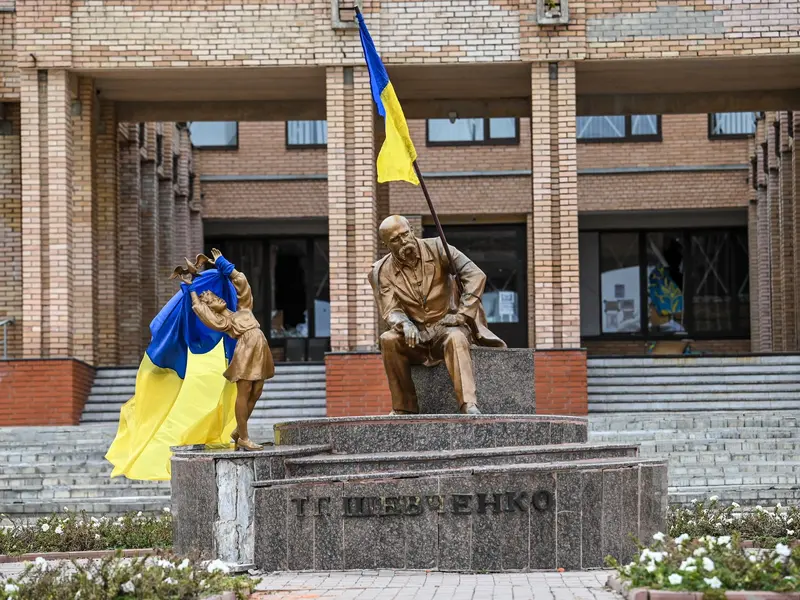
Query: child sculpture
{"x": 252, "y": 361}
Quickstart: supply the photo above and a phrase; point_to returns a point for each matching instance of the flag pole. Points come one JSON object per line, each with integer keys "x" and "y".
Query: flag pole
{"x": 453, "y": 270}
{"x": 439, "y": 229}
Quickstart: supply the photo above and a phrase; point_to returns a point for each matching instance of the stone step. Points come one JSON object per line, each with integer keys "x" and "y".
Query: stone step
{"x": 678, "y": 420}
{"x": 118, "y": 387}
{"x": 395, "y": 462}
{"x": 289, "y": 402}
{"x": 690, "y": 403}
{"x": 694, "y": 361}
{"x": 37, "y": 492}
{"x": 743, "y": 433}
{"x": 280, "y": 368}
{"x": 751, "y": 495}
{"x": 96, "y": 506}
{"x": 718, "y": 385}
{"x": 644, "y": 378}
{"x": 767, "y": 467}
{"x": 732, "y": 459}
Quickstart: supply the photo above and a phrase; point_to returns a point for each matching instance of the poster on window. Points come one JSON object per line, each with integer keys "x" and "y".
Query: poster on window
{"x": 507, "y": 307}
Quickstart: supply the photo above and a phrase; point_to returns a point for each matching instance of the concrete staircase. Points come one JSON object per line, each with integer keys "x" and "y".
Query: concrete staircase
{"x": 750, "y": 457}
{"x": 297, "y": 391}
{"x": 651, "y": 384}
{"x": 44, "y": 469}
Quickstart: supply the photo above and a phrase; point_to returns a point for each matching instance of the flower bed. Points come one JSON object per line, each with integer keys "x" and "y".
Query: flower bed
{"x": 711, "y": 565}
{"x": 128, "y": 579}
{"x": 75, "y": 532}
{"x": 758, "y": 527}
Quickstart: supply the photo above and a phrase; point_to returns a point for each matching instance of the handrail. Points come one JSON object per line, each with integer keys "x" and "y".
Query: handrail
{"x": 4, "y": 323}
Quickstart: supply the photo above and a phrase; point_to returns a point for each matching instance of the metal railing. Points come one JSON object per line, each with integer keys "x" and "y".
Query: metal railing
{"x": 4, "y": 323}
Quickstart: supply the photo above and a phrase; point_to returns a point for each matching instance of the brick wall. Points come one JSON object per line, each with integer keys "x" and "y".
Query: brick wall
{"x": 355, "y": 384}
{"x": 11, "y": 231}
{"x": 43, "y": 392}
{"x": 560, "y": 382}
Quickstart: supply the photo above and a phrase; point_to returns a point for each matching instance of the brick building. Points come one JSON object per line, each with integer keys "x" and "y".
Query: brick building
{"x": 571, "y": 160}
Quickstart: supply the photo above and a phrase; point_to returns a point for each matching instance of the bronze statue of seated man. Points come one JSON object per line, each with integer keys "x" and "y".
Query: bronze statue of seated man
{"x": 429, "y": 321}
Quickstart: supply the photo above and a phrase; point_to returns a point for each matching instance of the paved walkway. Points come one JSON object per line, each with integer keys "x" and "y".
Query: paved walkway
{"x": 421, "y": 585}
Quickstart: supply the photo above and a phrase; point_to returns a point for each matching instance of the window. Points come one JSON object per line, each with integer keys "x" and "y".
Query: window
{"x": 306, "y": 134}
{"x": 731, "y": 125}
{"x": 214, "y": 134}
{"x": 466, "y": 132}
{"x": 661, "y": 284}
{"x": 619, "y": 128}
{"x": 159, "y": 150}
{"x": 142, "y": 133}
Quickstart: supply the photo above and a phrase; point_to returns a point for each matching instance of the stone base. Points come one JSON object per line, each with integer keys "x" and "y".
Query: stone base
{"x": 448, "y": 492}
{"x": 504, "y": 383}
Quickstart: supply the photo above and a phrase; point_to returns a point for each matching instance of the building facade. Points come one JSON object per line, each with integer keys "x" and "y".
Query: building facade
{"x": 615, "y": 169}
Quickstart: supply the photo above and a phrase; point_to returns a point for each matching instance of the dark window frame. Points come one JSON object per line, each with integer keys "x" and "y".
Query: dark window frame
{"x": 776, "y": 127}
{"x": 231, "y": 147}
{"x": 628, "y": 137}
{"x": 486, "y": 141}
{"x": 159, "y": 150}
{"x": 222, "y": 242}
{"x": 645, "y": 335}
{"x": 142, "y": 130}
{"x": 725, "y": 136}
{"x": 301, "y": 146}
{"x": 790, "y": 123}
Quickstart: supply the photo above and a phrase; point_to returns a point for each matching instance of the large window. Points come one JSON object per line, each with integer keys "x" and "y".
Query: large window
{"x": 731, "y": 125}
{"x": 214, "y": 134}
{"x": 656, "y": 284}
{"x": 499, "y": 251}
{"x": 619, "y": 128}
{"x": 465, "y": 132}
{"x": 306, "y": 134}
{"x": 290, "y": 281}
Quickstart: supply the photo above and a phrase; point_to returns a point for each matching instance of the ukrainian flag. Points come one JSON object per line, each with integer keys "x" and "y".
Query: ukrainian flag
{"x": 395, "y": 160}
{"x": 181, "y": 394}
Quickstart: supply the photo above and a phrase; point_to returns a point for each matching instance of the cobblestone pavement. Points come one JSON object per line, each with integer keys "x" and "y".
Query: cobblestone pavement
{"x": 421, "y": 585}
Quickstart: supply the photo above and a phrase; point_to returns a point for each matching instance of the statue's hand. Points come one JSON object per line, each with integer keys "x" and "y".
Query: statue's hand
{"x": 215, "y": 254}
{"x": 451, "y": 320}
{"x": 411, "y": 333}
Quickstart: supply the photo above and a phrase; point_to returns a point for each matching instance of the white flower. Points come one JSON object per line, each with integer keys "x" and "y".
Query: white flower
{"x": 700, "y": 551}
{"x": 77, "y": 594}
{"x": 217, "y": 565}
{"x": 724, "y": 539}
{"x": 714, "y": 583}
{"x": 789, "y": 521}
{"x": 694, "y": 500}
{"x": 675, "y": 579}
{"x": 758, "y": 508}
{"x": 96, "y": 524}
{"x": 40, "y": 562}
{"x": 128, "y": 587}
{"x": 45, "y": 527}
{"x": 688, "y": 565}
{"x": 651, "y": 567}
{"x": 59, "y": 530}
{"x": 11, "y": 588}
{"x": 708, "y": 564}
{"x": 97, "y": 536}
{"x": 166, "y": 509}
{"x": 164, "y": 563}
{"x": 170, "y": 581}
{"x": 790, "y": 532}
{"x": 778, "y": 505}
{"x": 659, "y": 537}
{"x": 139, "y": 514}
{"x": 735, "y": 504}
{"x": 752, "y": 558}
{"x": 681, "y": 538}
{"x": 783, "y": 550}
{"x": 713, "y": 498}
{"x": 66, "y": 509}
{"x": 89, "y": 576}
{"x": 184, "y": 564}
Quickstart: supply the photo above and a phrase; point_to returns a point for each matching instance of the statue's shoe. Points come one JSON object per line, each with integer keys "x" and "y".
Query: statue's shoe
{"x": 248, "y": 445}
{"x": 235, "y": 436}
{"x": 470, "y": 409}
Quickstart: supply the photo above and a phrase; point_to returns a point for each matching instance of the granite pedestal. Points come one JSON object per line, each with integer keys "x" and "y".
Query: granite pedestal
{"x": 439, "y": 491}
{"x": 503, "y": 383}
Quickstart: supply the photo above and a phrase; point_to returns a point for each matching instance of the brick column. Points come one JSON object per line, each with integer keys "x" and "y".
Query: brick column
{"x": 752, "y": 243}
{"x": 560, "y": 363}
{"x": 129, "y": 239}
{"x": 765, "y": 302}
{"x": 108, "y": 197}
{"x": 795, "y": 169}
{"x": 168, "y": 258}
{"x": 83, "y": 222}
{"x": 11, "y": 228}
{"x": 784, "y": 163}
{"x": 150, "y": 244}
{"x": 181, "y": 182}
{"x": 47, "y": 205}
{"x": 775, "y": 258}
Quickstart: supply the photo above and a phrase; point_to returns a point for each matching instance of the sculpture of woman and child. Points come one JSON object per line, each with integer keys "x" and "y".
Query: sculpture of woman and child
{"x": 202, "y": 373}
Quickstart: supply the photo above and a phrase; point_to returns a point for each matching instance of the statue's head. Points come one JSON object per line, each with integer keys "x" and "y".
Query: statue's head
{"x": 396, "y": 233}
{"x": 213, "y": 301}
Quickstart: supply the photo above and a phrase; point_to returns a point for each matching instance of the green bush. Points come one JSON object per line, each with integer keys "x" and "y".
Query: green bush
{"x": 764, "y": 527}
{"x": 711, "y": 565}
{"x": 72, "y": 532}
{"x": 116, "y": 578}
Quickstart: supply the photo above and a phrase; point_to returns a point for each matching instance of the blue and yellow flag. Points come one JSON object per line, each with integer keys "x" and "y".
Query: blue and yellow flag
{"x": 182, "y": 396}
{"x": 395, "y": 160}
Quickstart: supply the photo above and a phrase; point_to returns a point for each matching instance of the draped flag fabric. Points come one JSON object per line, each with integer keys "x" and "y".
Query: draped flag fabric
{"x": 396, "y": 158}
{"x": 181, "y": 394}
